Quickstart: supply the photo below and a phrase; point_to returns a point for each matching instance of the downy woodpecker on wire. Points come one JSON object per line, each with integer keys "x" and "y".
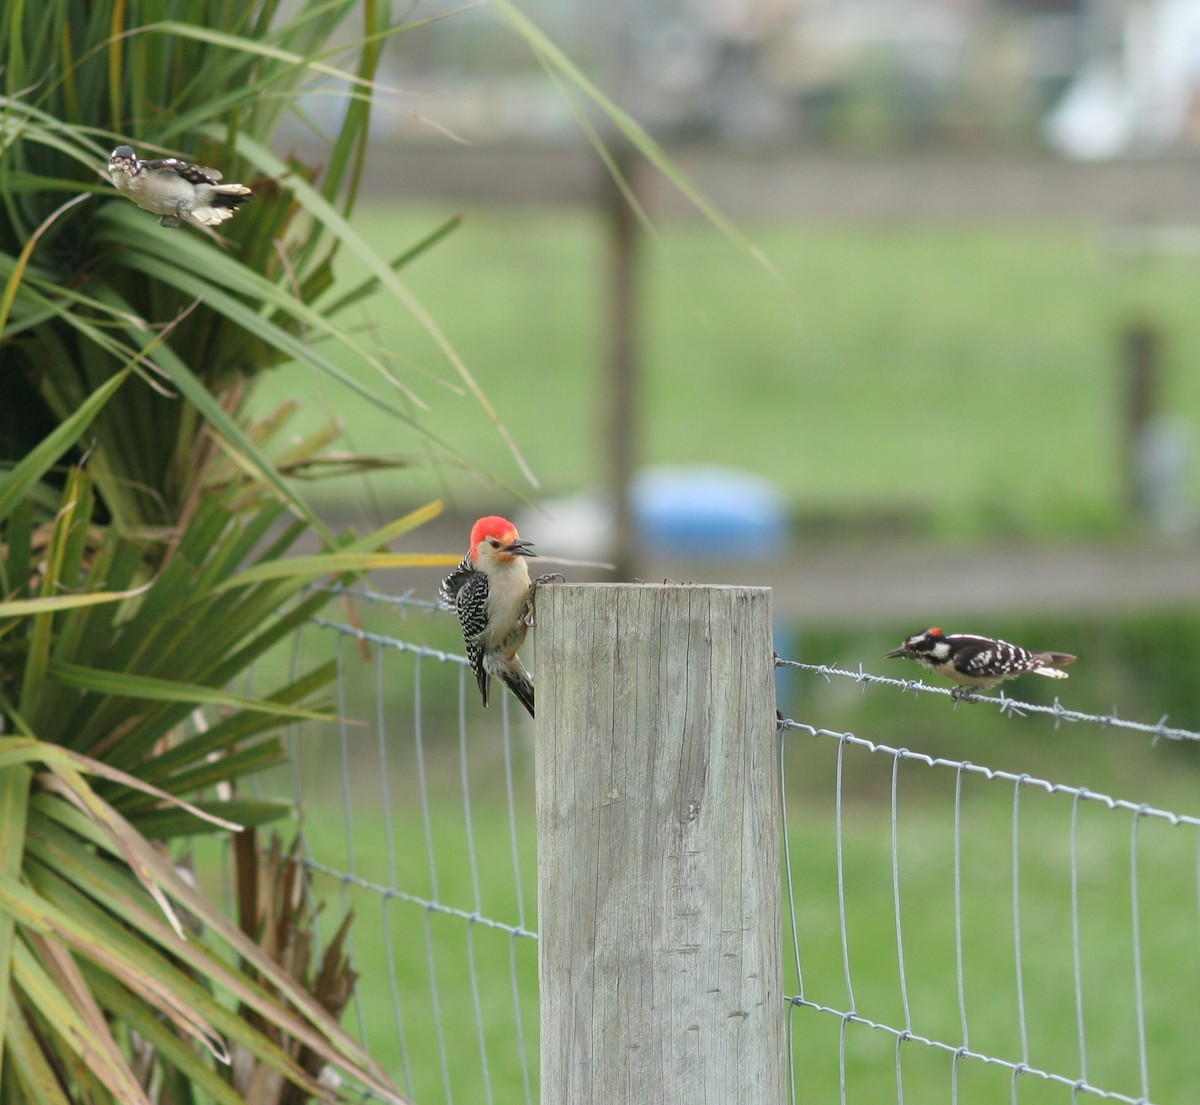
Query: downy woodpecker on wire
{"x": 493, "y": 596}
{"x": 174, "y": 189}
{"x": 972, "y": 661}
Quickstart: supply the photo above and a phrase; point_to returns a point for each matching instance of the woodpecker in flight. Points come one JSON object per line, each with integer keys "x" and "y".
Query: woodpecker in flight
{"x": 493, "y": 596}
{"x": 174, "y": 189}
{"x": 974, "y": 662}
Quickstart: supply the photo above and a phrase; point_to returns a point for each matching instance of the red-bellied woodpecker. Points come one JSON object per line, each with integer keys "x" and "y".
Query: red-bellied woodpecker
{"x": 493, "y": 596}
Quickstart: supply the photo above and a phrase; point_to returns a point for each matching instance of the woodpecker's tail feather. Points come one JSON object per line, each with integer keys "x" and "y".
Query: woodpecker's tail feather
{"x": 522, "y": 686}
{"x": 1048, "y": 658}
{"x": 223, "y": 202}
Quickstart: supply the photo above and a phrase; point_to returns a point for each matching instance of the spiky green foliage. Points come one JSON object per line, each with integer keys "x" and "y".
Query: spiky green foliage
{"x": 145, "y": 531}
{"x": 93, "y": 284}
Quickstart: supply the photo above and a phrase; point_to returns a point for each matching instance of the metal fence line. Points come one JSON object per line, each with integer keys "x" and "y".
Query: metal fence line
{"x": 1002, "y": 702}
{"x": 387, "y": 774}
{"x": 1078, "y": 1085}
{"x": 465, "y": 1034}
{"x": 1022, "y": 1064}
{"x": 1083, "y": 793}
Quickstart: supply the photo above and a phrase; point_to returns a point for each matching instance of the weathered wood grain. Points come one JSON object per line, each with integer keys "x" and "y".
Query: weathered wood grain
{"x": 658, "y": 847}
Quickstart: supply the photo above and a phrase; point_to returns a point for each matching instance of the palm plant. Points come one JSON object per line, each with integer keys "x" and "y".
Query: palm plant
{"x": 145, "y": 533}
{"x": 147, "y": 529}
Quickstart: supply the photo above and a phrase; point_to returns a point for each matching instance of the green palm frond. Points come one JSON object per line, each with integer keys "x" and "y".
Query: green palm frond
{"x": 103, "y": 286}
{"x": 104, "y": 699}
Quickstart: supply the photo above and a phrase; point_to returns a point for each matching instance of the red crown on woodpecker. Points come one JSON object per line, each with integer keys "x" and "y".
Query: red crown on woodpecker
{"x": 497, "y": 538}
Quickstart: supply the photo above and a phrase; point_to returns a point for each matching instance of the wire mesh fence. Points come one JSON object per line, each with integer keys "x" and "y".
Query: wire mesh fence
{"x": 953, "y": 931}
{"x": 994, "y": 935}
{"x": 418, "y": 817}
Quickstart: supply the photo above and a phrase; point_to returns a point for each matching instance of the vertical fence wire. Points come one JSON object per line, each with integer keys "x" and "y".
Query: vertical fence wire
{"x": 895, "y": 804}
{"x": 958, "y": 911}
{"x": 402, "y": 795}
{"x": 443, "y": 922}
{"x": 1054, "y": 851}
{"x": 1076, "y": 955}
{"x": 1135, "y": 934}
{"x": 1019, "y": 979}
{"x": 841, "y": 882}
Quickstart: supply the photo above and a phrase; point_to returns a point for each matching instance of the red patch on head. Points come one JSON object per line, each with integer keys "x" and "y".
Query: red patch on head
{"x": 492, "y": 526}
{"x": 934, "y": 631}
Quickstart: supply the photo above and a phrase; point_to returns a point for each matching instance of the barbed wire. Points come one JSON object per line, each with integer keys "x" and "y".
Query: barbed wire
{"x": 1007, "y": 706}
{"x": 447, "y": 1010}
{"x": 382, "y": 639}
{"x": 472, "y": 917}
{"x": 403, "y": 601}
{"x": 1079, "y": 1083}
{"x": 1019, "y": 1064}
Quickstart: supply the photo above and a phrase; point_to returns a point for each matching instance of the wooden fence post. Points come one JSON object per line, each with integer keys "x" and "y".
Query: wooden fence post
{"x": 658, "y": 847}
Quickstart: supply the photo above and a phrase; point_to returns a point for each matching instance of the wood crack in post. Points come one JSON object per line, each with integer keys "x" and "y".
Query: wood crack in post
{"x": 658, "y": 872}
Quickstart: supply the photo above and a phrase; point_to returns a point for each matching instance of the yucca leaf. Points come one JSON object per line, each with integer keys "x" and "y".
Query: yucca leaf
{"x": 15, "y": 567}
{"x": 21, "y": 478}
{"x": 96, "y": 1049}
{"x": 70, "y": 766}
{"x": 370, "y": 286}
{"x": 316, "y": 1030}
{"x": 122, "y": 684}
{"x": 333, "y": 220}
{"x": 225, "y": 286}
{"x": 14, "y": 807}
{"x": 113, "y": 948}
{"x": 249, "y": 812}
{"x": 129, "y": 1011}
{"x": 336, "y": 563}
{"x": 250, "y": 760}
{"x": 39, "y": 1084}
{"x": 228, "y": 731}
{"x": 19, "y": 608}
{"x": 557, "y": 61}
{"x": 248, "y": 457}
{"x": 22, "y": 260}
{"x": 73, "y": 516}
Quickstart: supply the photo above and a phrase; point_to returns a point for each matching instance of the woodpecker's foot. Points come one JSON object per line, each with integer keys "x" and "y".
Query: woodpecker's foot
{"x": 171, "y": 220}
{"x": 549, "y": 577}
{"x": 962, "y": 694}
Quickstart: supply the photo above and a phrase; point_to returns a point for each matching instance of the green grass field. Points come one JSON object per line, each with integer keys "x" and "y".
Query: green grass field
{"x": 877, "y": 353}
{"x": 397, "y": 940}
{"x": 874, "y": 354}
{"x": 361, "y": 798}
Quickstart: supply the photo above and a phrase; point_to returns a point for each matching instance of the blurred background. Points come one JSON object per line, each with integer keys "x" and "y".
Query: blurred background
{"x": 940, "y": 368}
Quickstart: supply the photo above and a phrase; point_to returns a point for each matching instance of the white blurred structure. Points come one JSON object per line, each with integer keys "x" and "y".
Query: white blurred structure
{"x": 697, "y": 511}
{"x": 1141, "y": 96}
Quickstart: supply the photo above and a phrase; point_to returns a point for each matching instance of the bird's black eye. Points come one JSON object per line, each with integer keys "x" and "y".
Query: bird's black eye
{"x": 494, "y": 543}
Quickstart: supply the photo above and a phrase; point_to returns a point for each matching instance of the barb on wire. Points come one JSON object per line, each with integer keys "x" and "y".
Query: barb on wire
{"x": 384, "y": 641}
{"x": 405, "y": 600}
{"x": 1005, "y": 704}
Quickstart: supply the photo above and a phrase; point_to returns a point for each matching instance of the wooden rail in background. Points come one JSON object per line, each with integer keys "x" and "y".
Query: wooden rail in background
{"x": 658, "y": 847}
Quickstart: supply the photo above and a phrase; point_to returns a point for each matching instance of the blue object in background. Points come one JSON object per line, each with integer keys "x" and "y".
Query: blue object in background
{"x": 709, "y": 511}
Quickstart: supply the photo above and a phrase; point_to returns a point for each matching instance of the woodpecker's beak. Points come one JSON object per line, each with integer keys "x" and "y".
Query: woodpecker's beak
{"x": 902, "y": 651}
{"x": 520, "y": 547}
